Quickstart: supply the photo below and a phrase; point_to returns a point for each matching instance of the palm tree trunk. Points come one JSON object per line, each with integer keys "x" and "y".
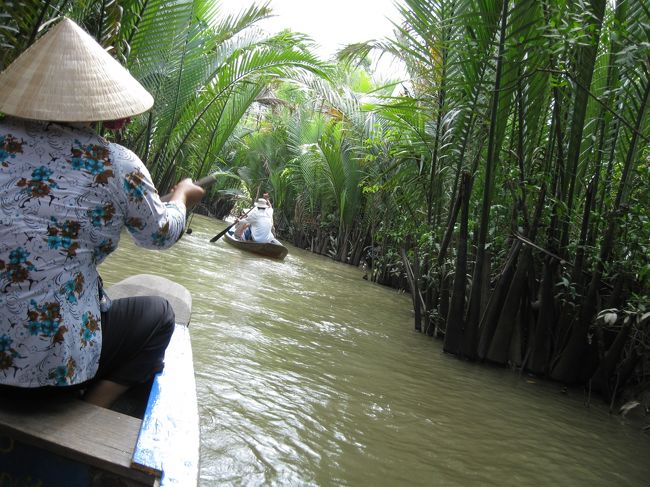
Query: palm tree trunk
{"x": 499, "y": 348}
{"x": 454, "y": 326}
{"x": 567, "y": 367}
{"x": 470, "y": 335}
{"x": 586, "y": 56}
{"x": 495, "y": 303}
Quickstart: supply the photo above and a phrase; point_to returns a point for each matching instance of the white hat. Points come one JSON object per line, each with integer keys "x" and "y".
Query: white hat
{"x": 261, "y": 203}
{"x": 66, "y": 76}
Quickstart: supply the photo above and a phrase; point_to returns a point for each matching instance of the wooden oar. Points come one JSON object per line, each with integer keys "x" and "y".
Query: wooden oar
{"x": 223, "y": 232}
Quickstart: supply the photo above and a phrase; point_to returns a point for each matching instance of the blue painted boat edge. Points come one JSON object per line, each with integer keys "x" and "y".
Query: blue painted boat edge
{"x": 168, "y": 443}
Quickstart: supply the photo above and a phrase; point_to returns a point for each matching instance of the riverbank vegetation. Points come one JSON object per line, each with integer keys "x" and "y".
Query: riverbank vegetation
{"x": 504, "y": 182}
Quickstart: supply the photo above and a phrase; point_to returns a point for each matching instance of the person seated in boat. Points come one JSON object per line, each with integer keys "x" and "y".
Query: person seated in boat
{"x": 67, "y": 193}
{"x": 266, "y": 196}
{"x": 258, "y": 224}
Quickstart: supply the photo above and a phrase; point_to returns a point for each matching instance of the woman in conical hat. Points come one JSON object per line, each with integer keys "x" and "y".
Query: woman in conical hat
{"x": 66, "y": 194}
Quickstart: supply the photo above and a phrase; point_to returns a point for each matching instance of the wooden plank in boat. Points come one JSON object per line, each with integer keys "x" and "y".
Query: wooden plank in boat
{"x": 66, "y": 435}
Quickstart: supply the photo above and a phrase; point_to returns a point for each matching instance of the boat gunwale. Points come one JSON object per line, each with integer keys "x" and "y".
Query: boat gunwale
{"x": 274, "y": 250}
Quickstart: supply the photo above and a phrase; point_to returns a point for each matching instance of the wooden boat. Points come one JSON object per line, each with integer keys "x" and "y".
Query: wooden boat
{"x": 68, "y": 442}
{"x": 273, "y": 249}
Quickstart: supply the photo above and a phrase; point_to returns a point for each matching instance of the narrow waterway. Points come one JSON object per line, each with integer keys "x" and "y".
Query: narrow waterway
{"x": 309, "y": 375}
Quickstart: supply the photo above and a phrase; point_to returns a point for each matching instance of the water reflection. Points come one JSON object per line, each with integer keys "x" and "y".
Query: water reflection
{"x": 309, "y": 375}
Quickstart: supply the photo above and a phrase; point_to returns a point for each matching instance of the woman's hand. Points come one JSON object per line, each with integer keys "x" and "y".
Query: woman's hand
{"x": 185, "y": 192}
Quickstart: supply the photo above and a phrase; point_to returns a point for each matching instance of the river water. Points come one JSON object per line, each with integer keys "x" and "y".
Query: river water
{"x": 309, "y": 375}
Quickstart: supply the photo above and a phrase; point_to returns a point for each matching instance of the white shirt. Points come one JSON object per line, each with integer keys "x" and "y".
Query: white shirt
{"x": 261, "y": 222}
{"x": 65, "y": 196}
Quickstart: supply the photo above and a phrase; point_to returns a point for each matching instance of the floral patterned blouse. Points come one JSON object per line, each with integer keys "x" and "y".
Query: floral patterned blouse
{"x": 65, "y": 195}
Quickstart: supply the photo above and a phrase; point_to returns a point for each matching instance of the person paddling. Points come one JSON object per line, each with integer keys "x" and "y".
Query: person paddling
{"x": 67, "y": 193}
{"x": 258, "y": 224}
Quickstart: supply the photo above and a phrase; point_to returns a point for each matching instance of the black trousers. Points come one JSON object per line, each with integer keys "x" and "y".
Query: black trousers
{"x": 135, "y": 334}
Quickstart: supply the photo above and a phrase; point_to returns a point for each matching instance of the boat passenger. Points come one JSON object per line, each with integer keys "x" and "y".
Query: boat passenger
{"x": 67, "y": 194}
{"x": 258, "y": 224}
{"x": 266, "y": 196}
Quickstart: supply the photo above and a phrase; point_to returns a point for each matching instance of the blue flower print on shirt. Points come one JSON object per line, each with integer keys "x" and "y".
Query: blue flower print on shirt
{"x": 134, "y": 185}
{"x": 89, "y": 329}
{"x": 63, "y": 236}
{"x": 9, "y": 147}
{"x": 40, "y": 184}
{"x": 77, "y": 163}
{"x": 41, "y": 173}
{"x": 34, "y": 327}
{"x": 49, "y": 327}
{"x": 63, "y": 374}
{"x": 5, "y": 343}
{"x": 102, "y": 215}
{"x": 7, "y": 354}
{"x": 45, "y": 320}
{"x": 17, "y": 269}
{"x": 94, "y": 167}
{"x": 73, "y": 288}
{"x": 59, "y": 374}
{"x": 161, "y": 237}
{"x": 93, "y": 159}
{"x": 18, "y": 256}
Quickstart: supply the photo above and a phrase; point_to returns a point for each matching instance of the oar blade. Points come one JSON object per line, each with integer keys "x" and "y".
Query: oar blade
{"x": 221, "y": 233}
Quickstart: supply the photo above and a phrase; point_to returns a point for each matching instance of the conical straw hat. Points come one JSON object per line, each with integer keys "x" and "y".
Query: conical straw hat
{"x": 65, "y": 76}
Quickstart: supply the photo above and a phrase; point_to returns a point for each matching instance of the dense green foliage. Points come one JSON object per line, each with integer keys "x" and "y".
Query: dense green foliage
{"x": 504, "y": 183}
